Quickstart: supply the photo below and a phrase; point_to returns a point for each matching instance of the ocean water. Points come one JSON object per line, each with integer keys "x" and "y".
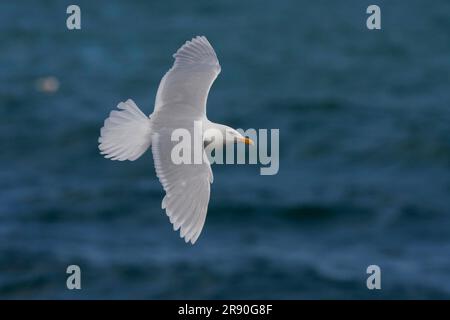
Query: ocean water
{"x": 364, "y": 119}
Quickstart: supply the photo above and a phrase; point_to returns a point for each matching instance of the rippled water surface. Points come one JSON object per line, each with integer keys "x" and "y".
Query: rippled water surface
{"x": 364, "y": 119}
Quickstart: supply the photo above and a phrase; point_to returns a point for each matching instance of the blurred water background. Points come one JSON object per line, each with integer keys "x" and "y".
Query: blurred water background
{"x": 364, "y": 121}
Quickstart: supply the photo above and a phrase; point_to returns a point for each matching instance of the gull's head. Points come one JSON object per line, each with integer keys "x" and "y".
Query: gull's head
{"x": 221, "y": 135}
{"x": 233, "y": 136}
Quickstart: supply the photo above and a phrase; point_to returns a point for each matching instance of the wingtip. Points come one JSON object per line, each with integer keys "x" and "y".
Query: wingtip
{"x": 196, "y": 50}
{"x": 187, "y": 239}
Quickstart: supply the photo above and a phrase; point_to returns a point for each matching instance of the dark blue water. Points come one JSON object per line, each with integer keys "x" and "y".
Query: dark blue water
{"x": 364, "y": 119}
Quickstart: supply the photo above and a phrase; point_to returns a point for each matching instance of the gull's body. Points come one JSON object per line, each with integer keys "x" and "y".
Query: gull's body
{"x": 180, "y": 102}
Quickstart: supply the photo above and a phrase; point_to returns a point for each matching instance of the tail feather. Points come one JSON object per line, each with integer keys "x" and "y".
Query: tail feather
{"x": 126, "y": 133}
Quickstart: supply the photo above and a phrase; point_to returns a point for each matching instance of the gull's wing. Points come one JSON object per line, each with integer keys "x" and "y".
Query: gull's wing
{"x": 187, "y": 186}
{"x": 181, "y": 100}
{"x": 186, "y": 85}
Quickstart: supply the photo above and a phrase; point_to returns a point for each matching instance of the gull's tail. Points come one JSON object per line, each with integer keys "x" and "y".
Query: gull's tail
{"x": 126, "y": 133}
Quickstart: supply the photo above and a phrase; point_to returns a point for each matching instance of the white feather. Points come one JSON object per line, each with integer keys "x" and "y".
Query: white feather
{"x": 126, "y": 134}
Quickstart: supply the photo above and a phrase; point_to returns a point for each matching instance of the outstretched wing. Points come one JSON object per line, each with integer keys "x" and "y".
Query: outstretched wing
{"x": 187, "y": 186}
{"x": 186, "y": 85}
{"x": 180, "y": 101}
